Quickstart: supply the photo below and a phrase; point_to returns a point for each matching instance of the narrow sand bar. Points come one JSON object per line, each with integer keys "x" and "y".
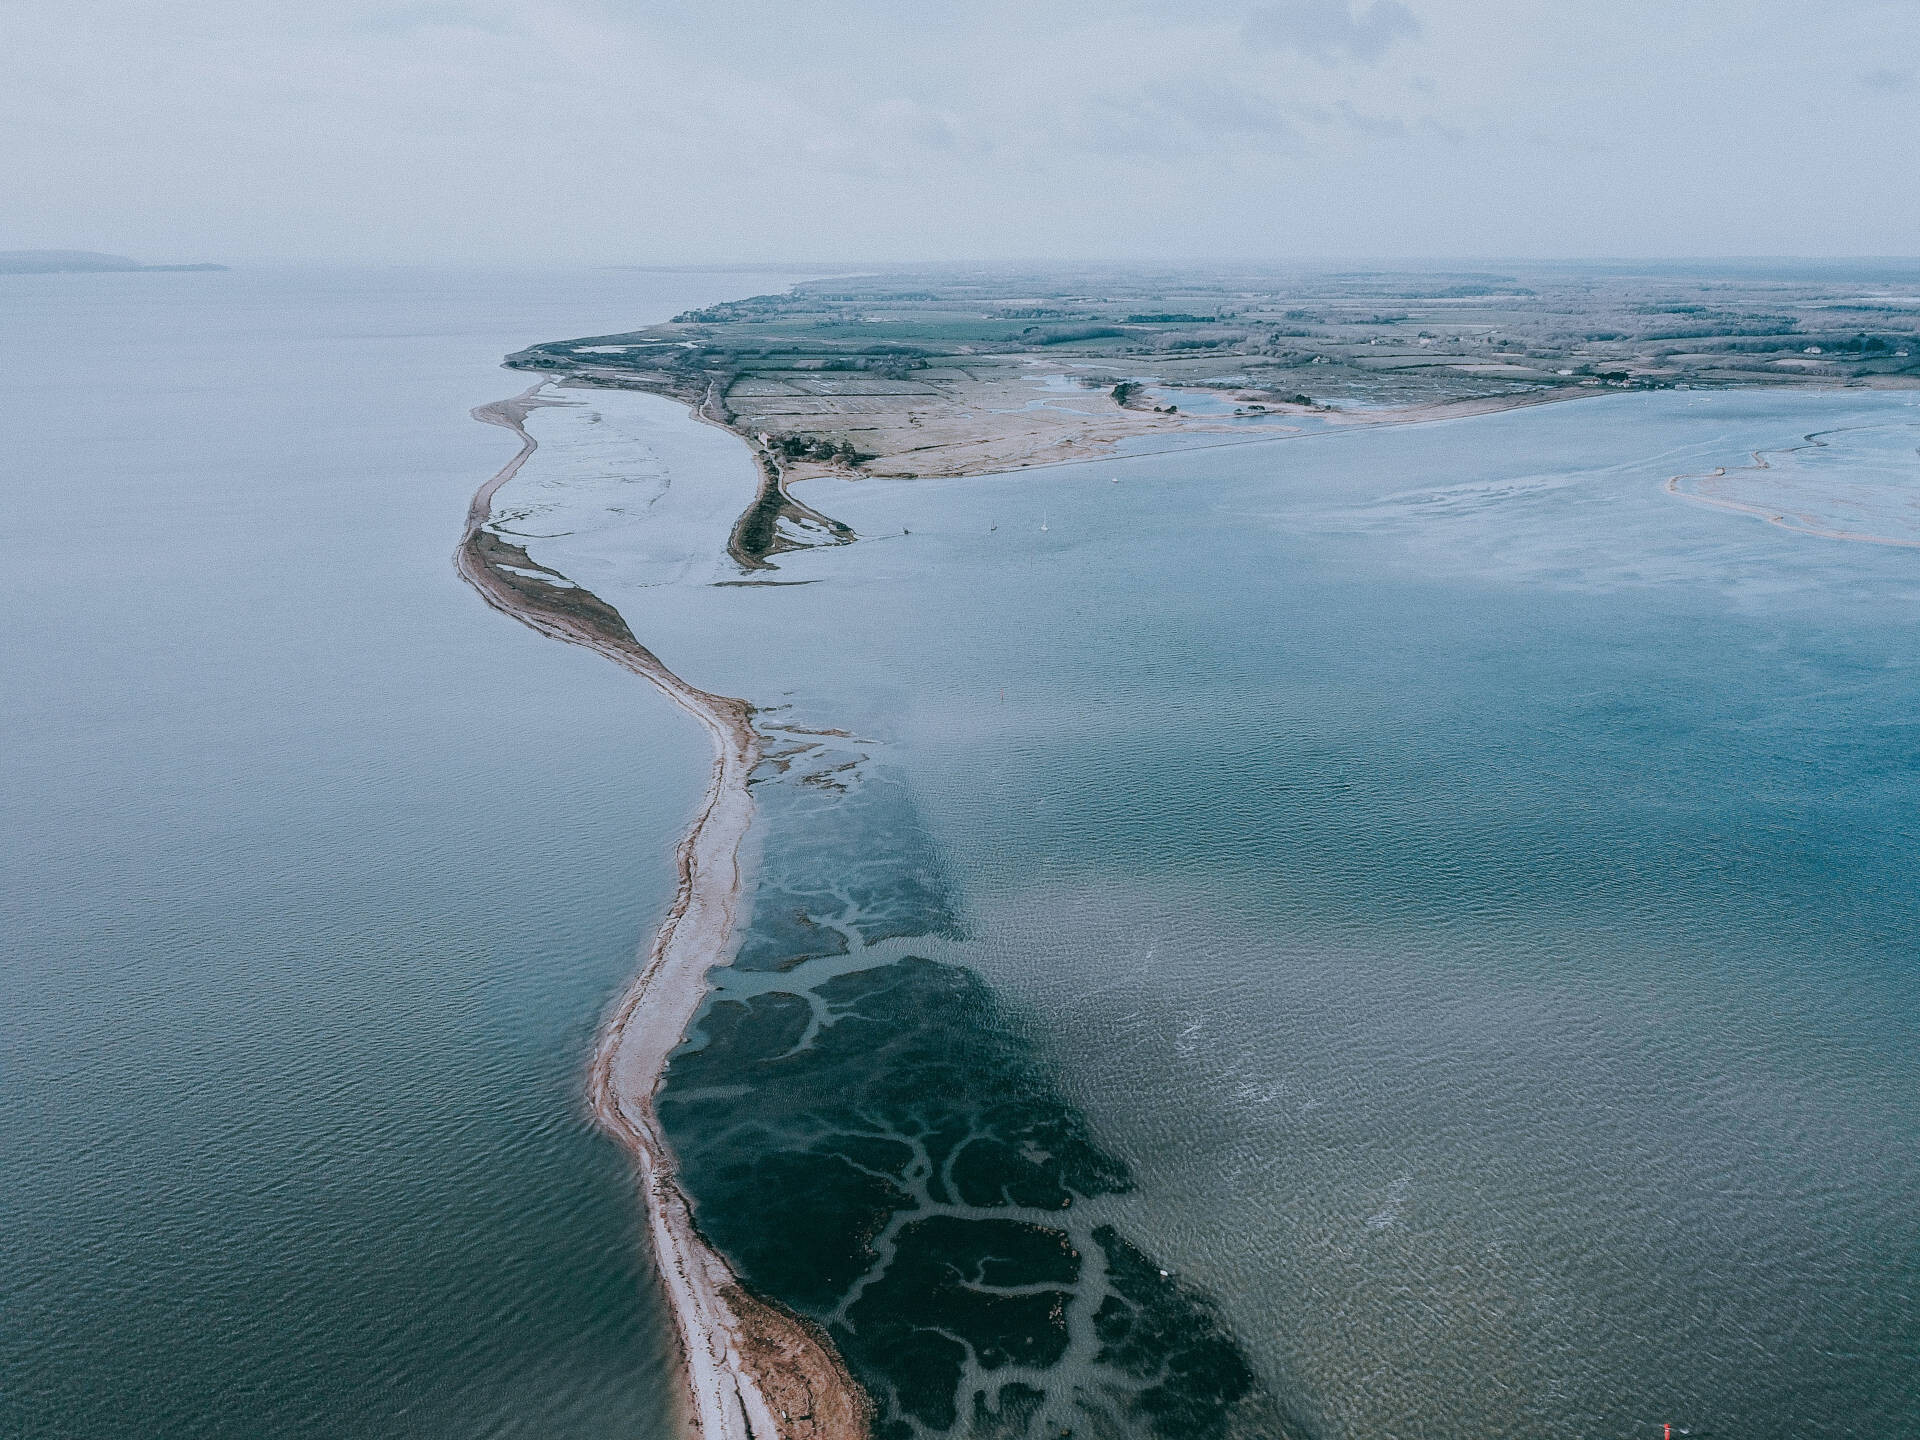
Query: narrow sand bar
{"x": 753, "y": 1371}
{"x": 1731, "y": 490}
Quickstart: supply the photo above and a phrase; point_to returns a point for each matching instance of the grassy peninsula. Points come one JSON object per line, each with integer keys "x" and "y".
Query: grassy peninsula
{"x": 909, "y": 373}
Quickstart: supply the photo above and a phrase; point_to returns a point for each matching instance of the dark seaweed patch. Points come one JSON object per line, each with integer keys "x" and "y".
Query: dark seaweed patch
{"x": 884, "y": 1151}
{"x": 846, "y": 857}
{"x": 941, "y": 1292}
{"x": 785, "y": 933}
{"x": 1164, "y": 1334}
{"x": 914, "y": 1080}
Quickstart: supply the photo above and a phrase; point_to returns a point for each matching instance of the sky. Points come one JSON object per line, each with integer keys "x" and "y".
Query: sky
{"x": 525, "y": 131}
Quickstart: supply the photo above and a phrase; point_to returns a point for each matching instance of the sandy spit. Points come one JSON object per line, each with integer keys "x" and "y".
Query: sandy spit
{"x": 1702, "y": 490}
{"x": 752, "y": 1370}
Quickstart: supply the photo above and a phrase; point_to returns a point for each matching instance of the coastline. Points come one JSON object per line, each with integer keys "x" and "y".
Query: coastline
{"x": 748, "y": 1364}
{"x": 752, "y": 1371}
{"x": 756, "y": 535}
{"x": 938, "y": 374}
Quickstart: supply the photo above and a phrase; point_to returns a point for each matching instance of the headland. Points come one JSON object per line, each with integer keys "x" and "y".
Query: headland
{"x": 910, "y": 373}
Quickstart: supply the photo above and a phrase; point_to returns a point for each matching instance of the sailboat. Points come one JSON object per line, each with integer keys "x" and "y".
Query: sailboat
{"x": 1043, "y": 521}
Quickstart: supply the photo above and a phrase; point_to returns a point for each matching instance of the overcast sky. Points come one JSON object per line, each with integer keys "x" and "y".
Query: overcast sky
{"x": 658, "y": 131}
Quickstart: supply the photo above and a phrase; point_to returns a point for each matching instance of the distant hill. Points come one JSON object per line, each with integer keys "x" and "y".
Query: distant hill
{"x": 52, "y": 262}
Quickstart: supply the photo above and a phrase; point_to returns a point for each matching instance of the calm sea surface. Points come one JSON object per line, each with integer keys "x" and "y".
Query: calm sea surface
{"x": 315, "y": 875}
{"x": 1468, "y": 891}
{"x": 1475, "y": 892}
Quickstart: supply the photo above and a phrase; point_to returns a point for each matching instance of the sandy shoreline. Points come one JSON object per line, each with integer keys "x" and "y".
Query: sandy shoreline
{"x": 752, "y": 1371}
{"x": 964, "y": 433}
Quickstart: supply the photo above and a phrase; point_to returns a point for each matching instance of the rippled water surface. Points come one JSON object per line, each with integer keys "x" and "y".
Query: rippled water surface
{"x": 315, "y": 876}
{"x": 1467, "y": 890}
{"x": 1378, "y": 933}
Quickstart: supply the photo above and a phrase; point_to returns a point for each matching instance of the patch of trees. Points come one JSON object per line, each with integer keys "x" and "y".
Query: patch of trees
{"x": 1171, "y": 319}
{"x": 871, "y": 362}
{"x": 1784, "y": 326}
{"x": 1465, "y": 292}
{"x": 889, "y": 362}
{"x": 1769, "y": 346}
{"x": 818, "y": 447}
{"x": 1071, "y": 333}
{"x": 1863, "y": 345}
{"x": 699, "y": 358}
{"x": 754, "y": 307}
{"x": 542, "y": 357}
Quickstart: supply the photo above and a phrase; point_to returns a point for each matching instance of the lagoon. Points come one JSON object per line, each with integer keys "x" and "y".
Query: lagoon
{"x": 1467, "y": 887}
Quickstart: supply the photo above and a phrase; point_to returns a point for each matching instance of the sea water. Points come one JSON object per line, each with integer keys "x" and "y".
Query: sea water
{"x": 1397, "y": 932}
{"x": 316, "y": 876}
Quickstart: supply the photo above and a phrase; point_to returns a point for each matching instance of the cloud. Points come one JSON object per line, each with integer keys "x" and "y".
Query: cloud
{"x": 1371, "y": 127}
{"x": 920, "y": 124}
{"x": 602, "y": 130}
{"x": 1331, "y": 30}
{"x": 1182, "y": 120}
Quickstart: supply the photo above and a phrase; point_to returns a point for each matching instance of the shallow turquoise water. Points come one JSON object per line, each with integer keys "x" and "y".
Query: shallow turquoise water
{"x": 315, "y": 876}
{"x": 1470, "y": 889}
{"x": 1466, "y": 891}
